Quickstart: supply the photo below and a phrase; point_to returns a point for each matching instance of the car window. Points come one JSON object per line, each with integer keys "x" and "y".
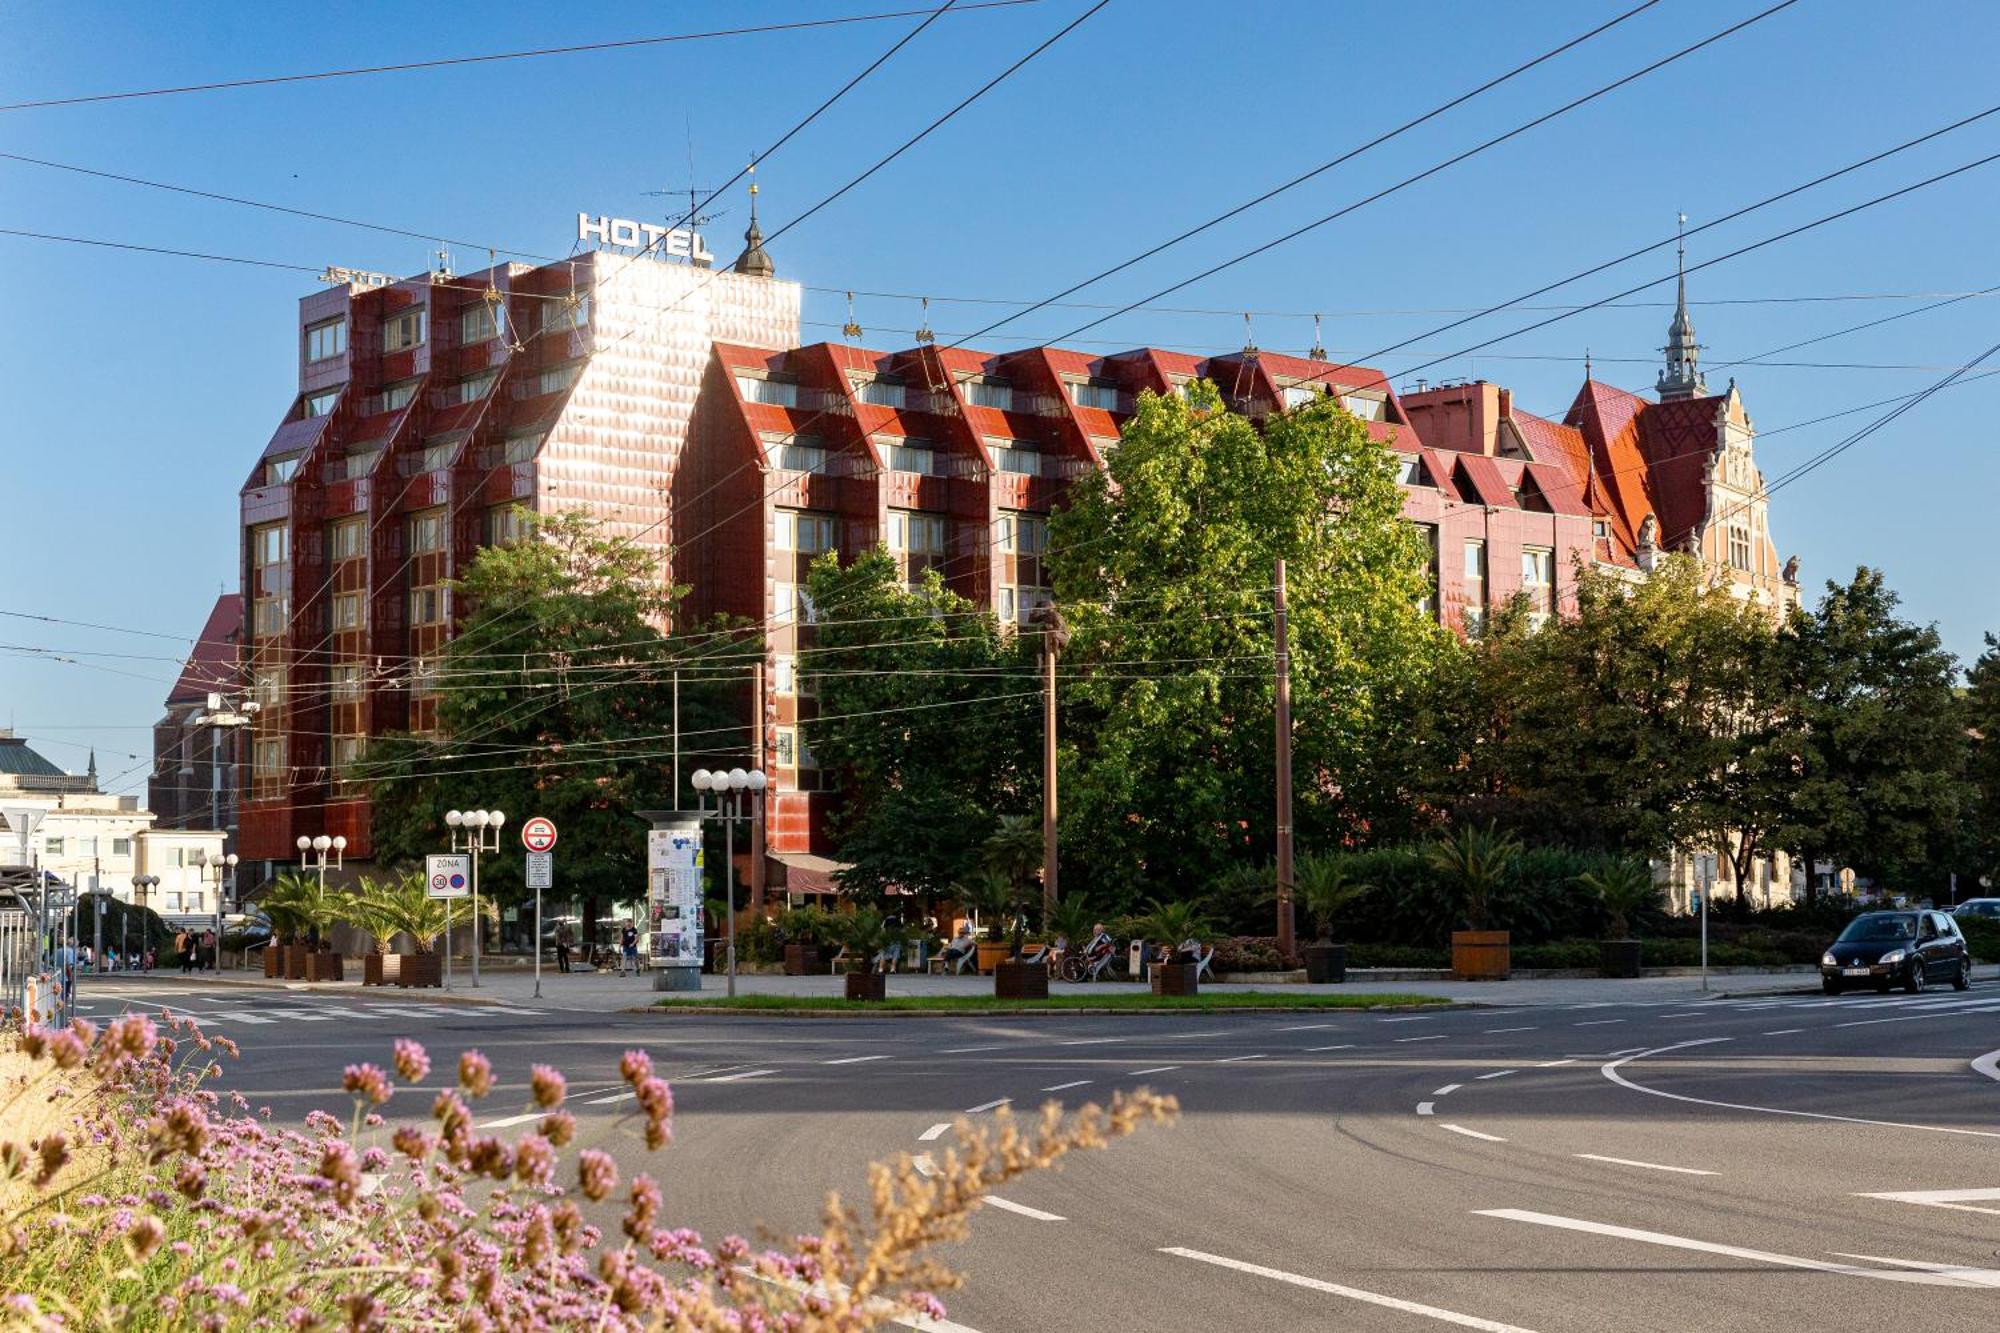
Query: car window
{"x": 1878, "y": 926}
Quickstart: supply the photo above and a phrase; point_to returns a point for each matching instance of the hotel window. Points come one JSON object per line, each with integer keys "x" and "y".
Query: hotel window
{"x": 1016, "y": 456}
{"x": 87, "y": 845}
{"x": 267, "y": 765}
{"x": 346, "y": 753}
{"x": 121, "y": 846}
{"x": 1299, "y": 395}
{"x": 1023, "y": 534}
{"x": 557, "y": 378}
{"x": 1538, "y": 565}
{"x": 430, "y": 605}
{"x": 270, "y": 616}
{"x": 1475, "y": 576}
{"x": 1410, "y": 471}
{"x": 53, "y": 846}
{"x": 912, "y": 533}
{"x": 423, "y": 677}
{"x": 437, "y": 456}
{"x": 772, "y": 392}
{"x": 1428, "y": 603}
{"x": 397, "y": 395}
{"x": 404, "y": 331}
{"x": 267, "y": 686}
{"x": 344, "y": 540}
{"x": 784, "y": 674}
{"x": 996, "y": 394}
{"x": 427, "y": 531}
{"x": 281, "y": 470}
{"x": 805, "y": 453}
{"x": 505, "y": 525}
{"x": 1094, "y": 393}
{"x": 270, "y": 552}
{"x": 347, "y": 611}
{"x": 321, "y": 403}
{"x": 792, "y": 750}
{"x": 1366, "y": 406}
{"x": 1739, "y": 548}
{"x": 571, "y": 312}
{"x": 912, "y": 456}
{"x": 1019, "y": 604}
{"x": 792, "y": 603}
{"x": 882, "y": 392}
{"x": 520, "y": 448}
{"x": 474, "y": 387}
{"x": 808, "y": 534}
{"x": 358, "y": 464}
{"x": 1599, "y": 528}
{"x": 346, "y": 682}
{"x": 326, "y": 339}
{"x": 476, "y": 324}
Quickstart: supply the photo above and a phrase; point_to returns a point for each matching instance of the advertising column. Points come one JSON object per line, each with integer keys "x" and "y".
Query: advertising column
{"x": 674, "y": 901}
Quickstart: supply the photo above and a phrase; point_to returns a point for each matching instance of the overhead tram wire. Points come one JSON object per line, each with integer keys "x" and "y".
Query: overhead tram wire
{"x": 581, "y": 48}
{"x": 1324, "y": 167}
{"x": 1447, "y": 163}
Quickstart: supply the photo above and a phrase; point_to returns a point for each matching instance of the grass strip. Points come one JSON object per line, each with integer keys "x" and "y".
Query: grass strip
{"x": 988, "y": 1004}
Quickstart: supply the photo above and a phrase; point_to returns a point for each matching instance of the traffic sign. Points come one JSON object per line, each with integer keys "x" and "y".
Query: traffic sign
{"x": 541, "y": 870}
{"x": 448, "y": 876}
{"x": 538, "y": 834}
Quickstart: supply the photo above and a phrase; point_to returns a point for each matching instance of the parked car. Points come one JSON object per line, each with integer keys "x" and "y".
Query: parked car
{"x": 1986, "y": 907}
{"x": 1907, "y": 949}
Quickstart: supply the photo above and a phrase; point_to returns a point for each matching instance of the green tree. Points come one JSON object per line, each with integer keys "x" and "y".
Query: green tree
{"x": 556, "y": 698}
{"x": 1163, "y": 566}
{"x": 1981, "y": 719}
{"x": 927, "y": 723}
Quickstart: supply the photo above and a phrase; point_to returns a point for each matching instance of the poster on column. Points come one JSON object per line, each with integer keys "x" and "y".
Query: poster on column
{"x": 674, "y": 900}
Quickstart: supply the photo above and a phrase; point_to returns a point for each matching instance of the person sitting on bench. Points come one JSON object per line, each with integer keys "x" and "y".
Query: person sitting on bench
{"x": 959, "y": 954}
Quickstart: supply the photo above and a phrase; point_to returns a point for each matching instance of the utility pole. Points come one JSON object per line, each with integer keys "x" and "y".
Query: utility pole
{"x": 1055, "y": 637}
{"x": 1284, "y": 685}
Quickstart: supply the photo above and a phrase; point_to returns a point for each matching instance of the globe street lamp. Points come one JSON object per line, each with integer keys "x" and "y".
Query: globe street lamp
{"x": 318, "y": 848}
{"x": 738, "y": 798}
{"x": 476, "y": 831}
{"x": 221, "y": 864}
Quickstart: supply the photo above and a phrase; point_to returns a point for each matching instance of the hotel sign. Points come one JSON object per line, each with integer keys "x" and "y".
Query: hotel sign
{"x": 626, "y": 234}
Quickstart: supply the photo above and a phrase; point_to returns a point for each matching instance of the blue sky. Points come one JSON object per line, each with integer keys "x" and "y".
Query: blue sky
{"x": 135, "y": 390}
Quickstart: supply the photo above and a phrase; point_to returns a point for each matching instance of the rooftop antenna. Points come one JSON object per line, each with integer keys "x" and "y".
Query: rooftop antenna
{"x": 1249, "y": 341}
{"x": 851, "y": 330}
{"x": 924, "y": 334}
{"x": 1586, "y": 363}
{"x": 1318, "y": 352}
{"x": 442, "y": 273}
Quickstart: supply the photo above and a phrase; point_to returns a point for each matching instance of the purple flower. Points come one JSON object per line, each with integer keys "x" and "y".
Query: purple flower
{"x": 597, "y": 1174}
{"x": 411, "y": 1060}
{"x": 548, "y": 1086}
{"x": 475, "y": 1074}
{"x": 368, "y": 1082}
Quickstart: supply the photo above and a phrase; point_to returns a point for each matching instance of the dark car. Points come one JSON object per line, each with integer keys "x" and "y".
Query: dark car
{"x": 1907, "y": 949}
{"x": 1988, "y": 908}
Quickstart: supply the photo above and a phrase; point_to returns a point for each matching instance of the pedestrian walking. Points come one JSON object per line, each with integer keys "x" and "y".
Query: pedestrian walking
{"x": 181, "y": 942}
{"x": 207, "y": 956}
{"x": 564, "y": 942}
{"x": 628, "y": 949}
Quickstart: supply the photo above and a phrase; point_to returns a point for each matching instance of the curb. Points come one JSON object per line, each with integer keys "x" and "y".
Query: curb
{"x": 862, "y": 1011}
{"x": 435, "y": 996}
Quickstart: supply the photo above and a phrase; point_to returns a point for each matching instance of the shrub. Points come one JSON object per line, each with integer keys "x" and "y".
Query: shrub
{"x": 1397, "y": 955}
{"x": 1250, "y": 953}
{"x": 1982, "y": 935}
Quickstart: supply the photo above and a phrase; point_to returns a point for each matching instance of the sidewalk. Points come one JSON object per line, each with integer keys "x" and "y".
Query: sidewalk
{"x": 581, "y": 992}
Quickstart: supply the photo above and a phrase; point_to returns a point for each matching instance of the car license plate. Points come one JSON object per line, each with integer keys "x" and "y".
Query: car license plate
{"x": 1854, "y": 971}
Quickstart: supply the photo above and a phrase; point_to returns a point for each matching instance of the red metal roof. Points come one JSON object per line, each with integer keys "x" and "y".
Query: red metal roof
{"x": 212, "y": 664}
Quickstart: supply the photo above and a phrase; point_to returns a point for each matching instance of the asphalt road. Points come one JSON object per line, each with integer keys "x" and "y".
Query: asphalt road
{"x": 1722, "y": 1165}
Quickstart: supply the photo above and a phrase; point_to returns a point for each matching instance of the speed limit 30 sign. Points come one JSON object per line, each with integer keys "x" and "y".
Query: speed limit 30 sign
{"x": 538, "y": 834}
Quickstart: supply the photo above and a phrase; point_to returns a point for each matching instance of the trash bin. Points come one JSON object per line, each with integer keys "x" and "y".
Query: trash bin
{"x": 1135, "y": 961}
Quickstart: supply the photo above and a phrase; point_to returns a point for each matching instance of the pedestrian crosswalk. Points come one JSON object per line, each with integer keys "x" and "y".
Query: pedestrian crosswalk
{"x": 260, "y": 1014}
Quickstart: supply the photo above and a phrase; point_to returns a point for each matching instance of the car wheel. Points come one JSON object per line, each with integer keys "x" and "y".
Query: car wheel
{"x": 1915, "y": 984}
{"x": 1830, "y": 986}
{"x": 1963, "y": 979}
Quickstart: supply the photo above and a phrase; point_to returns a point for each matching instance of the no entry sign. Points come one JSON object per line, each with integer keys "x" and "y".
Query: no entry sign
{"x": 538, "y": 834}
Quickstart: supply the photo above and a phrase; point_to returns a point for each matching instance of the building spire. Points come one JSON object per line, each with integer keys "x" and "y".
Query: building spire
{"x": 1682, "y": 378}
{"x": 753, "y": 261}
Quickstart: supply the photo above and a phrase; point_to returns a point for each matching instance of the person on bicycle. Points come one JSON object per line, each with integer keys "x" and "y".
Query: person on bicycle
{"x": 1100, "y": 943}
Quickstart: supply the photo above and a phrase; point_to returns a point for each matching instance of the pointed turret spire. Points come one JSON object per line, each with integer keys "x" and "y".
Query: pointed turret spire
{"x": 92, "y": 771}
{"x": 753, "y": 261}
{"x": 1682, "y": 378}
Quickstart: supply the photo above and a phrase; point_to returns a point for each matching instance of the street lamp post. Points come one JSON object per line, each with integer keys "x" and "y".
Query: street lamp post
{"x": 313, "y": 856}
{"x": 141, "y": 886}
{"x": 221, "y": 864}
{"x": 739, "y": 798}
{"x": 476, "y": 831}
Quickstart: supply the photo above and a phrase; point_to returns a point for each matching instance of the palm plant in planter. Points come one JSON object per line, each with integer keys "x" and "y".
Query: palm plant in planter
{"x": 864, "y": 934}
{"x": 1171, "y": 924}
{"x": 1014, "y": 853}
{"x": 295, "y": 905}
{"x": 286, "y": 927}
{"x": 425, "y": 919}
{"x": 1325, "y": 889}
{"x": 379, "y": 922}
{"x": 988, "y": 892}
{"x": 1474, "y": 862}
{"x": 1625, "y": 887}
{"x": 805, "y": 930}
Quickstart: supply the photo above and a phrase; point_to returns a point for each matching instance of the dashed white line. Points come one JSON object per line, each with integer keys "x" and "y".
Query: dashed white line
{"x": 1649, "y": 1166}
{"x": 511, "y": 1120}
{"x": 1344, "y": 1046}
{"x": 1058, "y": 1087}
{"x": 936, "y": 1131}
{"x": 1597, "y": 1022}
{"x": 1447, "y": 1089}
{"x": 1628, "y": 1050}
{"x": 1498, "y": 1073}
{"x": 1090, "y": 1041}
{"x": 1551, "y": 1064}
{"x": 966, "y": 1050}
{"x": 1783, "y": 1032}
{"x": 733, "y": 1078}
{"x": 1237, "y": 1059}
{"x": 1023, "y": 1209}
{"x": 1692, "y": 1013}
{"x": 1529, "y": 1029}
{"x": 1412, "y": 1018}
{"x": 854, "y": 1060}
{"x": 1426, "y": 1108}
{"x": 1348, "y": 1293}
{"x": 1156, "y": 1069}
{"x": 924, "y": 1165}
{"x": 1306, "y": 1027}
{"x": 1435, "y": 1036}
{"x": 614, "y": 1097}
{"x": 996, "y": 1103}
{"x": 1473, "y": 1134}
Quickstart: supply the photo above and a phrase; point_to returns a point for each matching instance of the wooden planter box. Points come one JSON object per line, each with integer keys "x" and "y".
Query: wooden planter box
{"x": 381, "y": 969}
{"x": 295, "y": 961}
{"x": 992, "y": 955}
{"x": 1021, "y": 981}
{"x": 802, "y": 960}
{"x": 1176, "y": 979}
{"x": 1618, "y": 958}
{"x": 274, "y": 959}
{"x": 419, "y": 970}
{"x": 867, "y": 986}
{"x": 324, "y": 965}
{"x": 1326, "y": 963}
{"x": 1480, "y": 955}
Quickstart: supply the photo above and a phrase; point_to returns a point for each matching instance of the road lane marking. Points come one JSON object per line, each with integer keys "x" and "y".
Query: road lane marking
{"x": 1650, "y": 1166}
{"x": 1306, "y": 1027}
{"x": 1023, "y": 1209}
{"x": 1447, "y": 1089}
{"x": 509, "y": 1121}
{"x": 1959, "y": 1200}
{"x": 965, "y": 1050}
{"x": 1498, "y": 1073}
{"x": 996, "y": 1103}
{"x": 1783, "y": 1032}
{"x": 1911, "y": 1018}
{"x": 1551, "y": 1064}
{"x": 1058, "y": 1087}
{"x": 936, "y": 1131}
{"x": 1629, "y": 1050}
{"x": 1090, "y": 1041}
{"x": 732, "y": 1078}
{"x": 1988, "y": 1064}
{"x": 1610, "y": 1071}
{"x": 921, "y": 1323}
{"x": 1692, "y": 1013}
{"x": 1349, "y": 1293}
{"x": 1413, "y": 1018}
{"x": 1984, "y": 1277}
{"x": 854, "y": 1060}
{"x": 1435, "y": 1036}
{"x": 1712, "y": 1247}
{"x": 1344, "y": 1046}
{"x": 924, "y": 1165}
{"x": 614, "y": 1097}
{"x": 1473, "y": 1133}
{"x": 1156, "y": 1069}
{"x": 1426, "y": 1108}
{"x": 1597, "y": 1022}
{"x": 1529, "y": 1029}
{"x": 1237, "y": 1059}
